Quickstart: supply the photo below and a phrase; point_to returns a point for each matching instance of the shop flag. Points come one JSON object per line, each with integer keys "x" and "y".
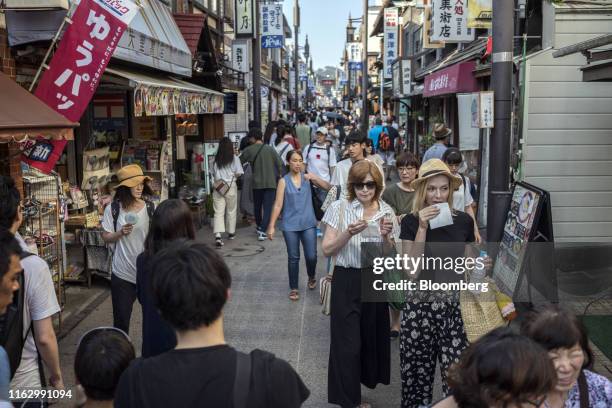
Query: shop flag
{"x": 450, "y": 21}
{"x": 81, "y": 57}
{"x": 271, "y": 25}
{"x": 391, "y": 41}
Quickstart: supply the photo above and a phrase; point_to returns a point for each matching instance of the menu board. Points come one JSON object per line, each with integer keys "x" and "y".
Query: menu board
{"x": 524, "y": 218}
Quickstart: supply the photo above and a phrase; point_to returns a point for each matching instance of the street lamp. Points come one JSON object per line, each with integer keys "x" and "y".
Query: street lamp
{"x": 350, "y": 31}
{"x": 306, "y": 56}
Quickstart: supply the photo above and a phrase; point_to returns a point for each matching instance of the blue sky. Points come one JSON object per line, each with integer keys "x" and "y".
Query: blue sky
{"x": 325, "y": 23}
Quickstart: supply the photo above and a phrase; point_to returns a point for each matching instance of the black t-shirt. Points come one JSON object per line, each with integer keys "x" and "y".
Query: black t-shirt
{"x": 204, "y": 377}
{"x": 444, "y": 242}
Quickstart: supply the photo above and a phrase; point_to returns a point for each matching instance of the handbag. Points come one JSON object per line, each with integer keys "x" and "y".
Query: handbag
{"x": 316, "y": 203}
{"x": 332, "y": 195}
{"x": 480, "y": 311}
{"x": 326, "y": 281}
{"x": 222, "y": 187}
{"x": 395, "y": 298}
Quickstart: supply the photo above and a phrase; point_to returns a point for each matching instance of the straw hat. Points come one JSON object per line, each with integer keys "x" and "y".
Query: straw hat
{"x": 432, "y": 168}
{"x": 440, "y": 131}
{"x": 131, "y": 176}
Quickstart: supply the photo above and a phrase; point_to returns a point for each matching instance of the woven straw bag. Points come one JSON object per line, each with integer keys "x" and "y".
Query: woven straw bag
{"x": 325, "y": 284}
{"x": 480, "y": 312}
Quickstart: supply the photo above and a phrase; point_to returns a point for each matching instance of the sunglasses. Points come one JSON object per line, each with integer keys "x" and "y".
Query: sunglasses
{"x": 370, "y": 185}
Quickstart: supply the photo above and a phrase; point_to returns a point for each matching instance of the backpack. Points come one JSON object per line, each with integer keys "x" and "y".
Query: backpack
{"x": 385, "y": 143}
{"x": 116, "y": 208}
{"x": 327, "y": 149}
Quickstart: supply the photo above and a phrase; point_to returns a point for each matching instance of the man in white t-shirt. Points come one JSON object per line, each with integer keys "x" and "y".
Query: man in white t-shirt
{"x": 40, "y": 303}
{"x": 320, "y": 159}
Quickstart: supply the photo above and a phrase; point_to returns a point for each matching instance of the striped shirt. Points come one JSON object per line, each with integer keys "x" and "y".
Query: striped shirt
{"x": 350, "y": 255}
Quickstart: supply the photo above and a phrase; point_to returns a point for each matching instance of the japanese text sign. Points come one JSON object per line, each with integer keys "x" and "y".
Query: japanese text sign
{"x": 42, "y": 154}
{"x": 303, "y": 73}
{"x": 450, "y": 22}
{"x": 240, "y": 56}
{"x": 391, "y": 40}
{"x": 271, "y": 25}
{"x": 354, "y": 52}
{"x": 244, "y": 23}
{"x": 83, "y": 54}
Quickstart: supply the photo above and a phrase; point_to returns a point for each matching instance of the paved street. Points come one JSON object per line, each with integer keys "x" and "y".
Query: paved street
{"x": 260, "y": 315}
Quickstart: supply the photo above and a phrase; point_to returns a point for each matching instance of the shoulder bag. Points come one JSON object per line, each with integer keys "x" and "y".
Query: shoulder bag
{"x": 326, "y": 281}
{"x": 480, "y": 311}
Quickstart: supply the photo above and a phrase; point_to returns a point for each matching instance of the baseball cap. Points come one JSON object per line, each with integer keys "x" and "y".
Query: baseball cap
{"x": 322, "y": 130}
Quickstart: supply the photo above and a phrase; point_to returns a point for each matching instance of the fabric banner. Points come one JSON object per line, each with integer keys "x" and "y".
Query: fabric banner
{"x": 42, "y": 154}
{"x": 271, "y": 25}
{"x": 81, "y": 57}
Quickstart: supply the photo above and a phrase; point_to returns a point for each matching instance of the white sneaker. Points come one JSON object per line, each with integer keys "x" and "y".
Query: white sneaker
{"x": 261, "y": 236}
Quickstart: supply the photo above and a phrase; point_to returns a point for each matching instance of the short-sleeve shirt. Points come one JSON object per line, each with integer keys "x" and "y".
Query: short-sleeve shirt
{"x": 130, "y": 246}
{"x": 462, "y": 197}
{"x": 399, "y": 199}
{"x": 600, "y": 392}
{"x": 434, "y": 152}
{"x": 228, "y": 173}
{"x": 266, "y": 164}
{"x": 319, "y": 161}
{"x": 350, "y": 255}
{"x": 40, "y": 302}
{"x": 454, "y": 236}
{"x": 283, "y": 149}
{"x": 205, "y": 377}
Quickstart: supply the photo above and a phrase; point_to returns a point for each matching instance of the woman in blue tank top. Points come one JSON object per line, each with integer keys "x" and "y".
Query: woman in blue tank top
{"x": 298, "y": 222}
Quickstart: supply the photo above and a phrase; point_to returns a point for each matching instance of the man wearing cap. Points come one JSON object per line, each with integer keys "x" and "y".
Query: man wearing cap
{"x": 320, "y": 159}
{"x": 442, "y": 135}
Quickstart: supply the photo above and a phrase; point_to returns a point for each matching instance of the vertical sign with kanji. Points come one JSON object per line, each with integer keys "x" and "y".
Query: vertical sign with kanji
{"x": 450, "y": 21}
{"x": 240, "y": 56}
{"x": 244, "y": 23}
{"x": 75, "y": 70}
{"x": 391, "y": 40}
{"x": 303, "y": 74}
{"x": 271, "y": 25}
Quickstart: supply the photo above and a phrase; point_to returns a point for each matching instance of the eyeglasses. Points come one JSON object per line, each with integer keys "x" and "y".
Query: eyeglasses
{"x": 406, "y": 169}
{"x": 370, "y": 185}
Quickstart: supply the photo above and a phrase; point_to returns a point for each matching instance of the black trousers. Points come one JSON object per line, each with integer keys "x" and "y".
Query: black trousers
{"x": 123, "y": 295}
{"x": 360, "y": 351}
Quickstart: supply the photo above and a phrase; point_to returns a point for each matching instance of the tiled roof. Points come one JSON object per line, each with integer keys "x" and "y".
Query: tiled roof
{"x": 191, "y": 27}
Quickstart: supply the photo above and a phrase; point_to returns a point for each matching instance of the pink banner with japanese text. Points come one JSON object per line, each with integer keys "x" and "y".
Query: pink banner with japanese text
{"x": 81, "y": 57}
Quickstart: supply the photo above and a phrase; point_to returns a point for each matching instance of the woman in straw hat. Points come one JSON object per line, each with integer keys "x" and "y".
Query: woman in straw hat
{"x": 126, "y": 224}
{"x": 432, "y": 327}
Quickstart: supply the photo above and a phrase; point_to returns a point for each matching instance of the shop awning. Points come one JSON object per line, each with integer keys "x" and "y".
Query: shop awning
{"x": 27, "y": 26}
{"x": 23, "y": 114}
{"x": 163, "y": 95}
{"x": 454, "y": 79}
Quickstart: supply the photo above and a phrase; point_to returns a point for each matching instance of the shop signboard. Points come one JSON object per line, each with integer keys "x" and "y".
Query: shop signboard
{"x": 480, "y": 14}
{"x": 454, "y": 79}
{"x": 353, "y": 50}
{"x": 162, "y": 101}
{"x": 74, "y": 73}
{"x": 470, "y": 136}
{"x": 240, "y": 56}
{"x": 397, "y": 82}
{"x": 486, "y": 107}
{"x": 391, "y": 40}
{"x": 244, "y": 23}
{"x": 271, "y": 18}
{"x": 450, "y": 21}
{"x": 355, "y": 65}
{"x": 236, "y": 138}
{"x": 303, "y": 74}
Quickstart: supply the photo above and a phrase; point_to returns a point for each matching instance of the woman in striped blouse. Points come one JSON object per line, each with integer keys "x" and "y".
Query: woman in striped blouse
{"x": 360, "y": 349}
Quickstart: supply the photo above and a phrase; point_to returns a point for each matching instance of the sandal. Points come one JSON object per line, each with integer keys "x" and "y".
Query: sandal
{"x": 294, "y": 295}
{"x": 312, "y": 283}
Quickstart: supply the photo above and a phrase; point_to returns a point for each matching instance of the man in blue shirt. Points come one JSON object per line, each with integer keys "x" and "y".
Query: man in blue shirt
{"x": 375, "y": 132}
{"x": 442, "y": 135}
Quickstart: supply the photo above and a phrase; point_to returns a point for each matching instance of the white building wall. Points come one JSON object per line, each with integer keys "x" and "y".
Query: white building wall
{"x": 567, "y": 146}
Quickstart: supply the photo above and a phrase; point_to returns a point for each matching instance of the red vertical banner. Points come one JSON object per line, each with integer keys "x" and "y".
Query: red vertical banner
{"x": 80, "y": 60}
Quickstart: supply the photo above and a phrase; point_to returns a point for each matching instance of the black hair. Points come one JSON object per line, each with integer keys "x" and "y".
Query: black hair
{"x": 171, "y": 221}
{"x": 253, "y": 124}
{"x": 123, "y": 194}
{"x": 101, "y": 358}
{"x": 9, "y": 201}
{"x": 554, "y": 327}
{"x": 270, "y": 128}
{"x": 452, "y": 155}
{"x": 255, "y": 133}
{"x": 190, "y": 282}
{"x": 356, "y": 136}
{"x": 407, "y": 159}
{"x": 301, "y": 118}
{"x": 9, "y": 246}
{"x": 291, "y": 153}
{"x": 499, "y": 369}
{"x": 378, "y": 121}
{"x": 225, "y": 153}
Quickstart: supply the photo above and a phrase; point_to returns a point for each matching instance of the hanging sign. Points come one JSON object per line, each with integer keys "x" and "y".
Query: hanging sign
{"x": 240, "y": 56}
{"x": 480, "y": 13}
{"x": 354, "y": 52}
{"x": 450, "y": 21}
{"x": 303, "y": 74}
{"x": 74, "y": 73}
{"x": 391, "y": 40}
{"x": 271, "y": 25}
{"x": 244, "y": 23}
{"x": 42, "y": 154}
{"x": 486, "y": 109}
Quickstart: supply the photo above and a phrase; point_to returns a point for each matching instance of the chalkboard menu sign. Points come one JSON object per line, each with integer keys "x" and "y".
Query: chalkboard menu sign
{"x": 528, "y": 221}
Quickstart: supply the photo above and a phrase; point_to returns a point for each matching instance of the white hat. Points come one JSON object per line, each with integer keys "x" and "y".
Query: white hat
{"x": 322, "y": 130}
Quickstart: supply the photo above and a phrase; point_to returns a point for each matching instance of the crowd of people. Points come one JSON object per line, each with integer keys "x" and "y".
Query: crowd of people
{"x": 320, "y": 177}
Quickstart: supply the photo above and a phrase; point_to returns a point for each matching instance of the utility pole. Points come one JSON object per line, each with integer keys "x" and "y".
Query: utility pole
{"x": 307, "y": 56}
{"x": 296, "y": 54}
{"x": 364, "y": 70}
{"x": 256, "y": 67}
{"x": 499, "y": 152}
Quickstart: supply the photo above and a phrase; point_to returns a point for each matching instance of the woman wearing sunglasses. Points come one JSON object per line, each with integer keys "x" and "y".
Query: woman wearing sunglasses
{"x": 502, "y": 369}
{"x": 360, "y": 347}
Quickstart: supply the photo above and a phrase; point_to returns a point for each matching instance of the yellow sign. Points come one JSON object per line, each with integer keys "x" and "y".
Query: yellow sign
{"x": 480, "y": 13}
{"x": 427, "y": 43}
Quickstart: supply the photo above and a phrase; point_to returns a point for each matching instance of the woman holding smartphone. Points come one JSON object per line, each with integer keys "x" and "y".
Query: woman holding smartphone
{"x": 360, "y": 345}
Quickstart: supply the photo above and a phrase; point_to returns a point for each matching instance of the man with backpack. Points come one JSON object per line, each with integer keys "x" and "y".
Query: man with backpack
{"x": 31, "y": 339}
{"x": 386, "y": 146}
{"x": 191, "y": 284}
